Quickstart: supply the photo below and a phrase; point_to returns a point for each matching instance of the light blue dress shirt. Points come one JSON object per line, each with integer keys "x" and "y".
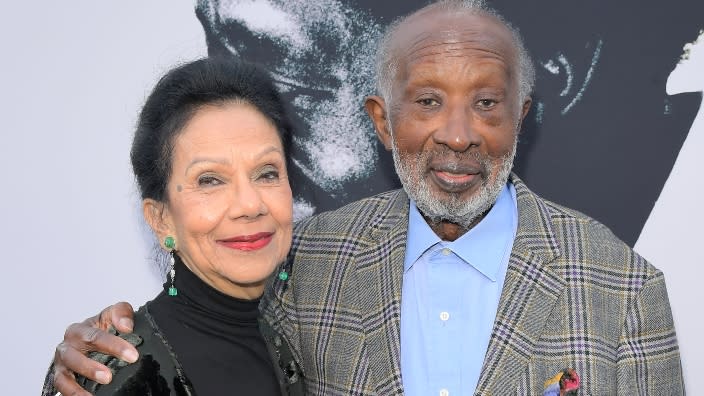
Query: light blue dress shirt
{"x": 449, "y": 299}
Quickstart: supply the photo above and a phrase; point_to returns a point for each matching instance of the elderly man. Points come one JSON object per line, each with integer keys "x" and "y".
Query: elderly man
{"x": 463, "y": 282}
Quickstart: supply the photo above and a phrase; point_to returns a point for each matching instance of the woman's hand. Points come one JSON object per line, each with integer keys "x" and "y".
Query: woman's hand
{"x": 89, "y": 336}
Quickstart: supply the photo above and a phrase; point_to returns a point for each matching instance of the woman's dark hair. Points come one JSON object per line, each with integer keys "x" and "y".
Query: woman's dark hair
{"x": 176, "y": 98}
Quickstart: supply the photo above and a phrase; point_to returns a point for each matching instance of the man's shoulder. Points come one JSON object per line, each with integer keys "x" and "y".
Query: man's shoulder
{"x": 360, "y": 215}
{"x": 592, "y": 230}
{"x": 573, "y": 232}
{"x": 582, "y": 238}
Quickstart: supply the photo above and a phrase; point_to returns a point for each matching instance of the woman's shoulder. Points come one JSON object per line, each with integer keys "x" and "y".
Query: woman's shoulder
{"x": 156, "y": 372}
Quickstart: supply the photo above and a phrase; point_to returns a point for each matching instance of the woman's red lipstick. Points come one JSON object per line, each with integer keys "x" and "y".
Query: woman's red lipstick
{"x": 248, "y": 242}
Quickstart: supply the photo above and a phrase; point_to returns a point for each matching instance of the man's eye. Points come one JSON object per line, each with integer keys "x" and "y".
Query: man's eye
{"x": 207, "y": 180}
{"x": 487, "y": 103}
{"x": 428, "y": 102}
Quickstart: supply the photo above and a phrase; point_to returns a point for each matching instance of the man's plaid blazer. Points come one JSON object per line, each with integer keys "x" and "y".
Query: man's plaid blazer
{"x": 575, "y": 297}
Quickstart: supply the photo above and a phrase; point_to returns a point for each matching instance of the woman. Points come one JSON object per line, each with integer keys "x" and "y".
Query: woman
{"x": 209, "y": 155}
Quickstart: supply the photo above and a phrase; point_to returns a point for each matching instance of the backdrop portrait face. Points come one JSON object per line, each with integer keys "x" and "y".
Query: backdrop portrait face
{"x": 321, "y": 55}
{"x": 602, "y": 136}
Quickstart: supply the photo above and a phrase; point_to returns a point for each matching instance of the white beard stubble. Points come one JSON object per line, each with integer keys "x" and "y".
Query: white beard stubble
{"x": 451, "y": 207}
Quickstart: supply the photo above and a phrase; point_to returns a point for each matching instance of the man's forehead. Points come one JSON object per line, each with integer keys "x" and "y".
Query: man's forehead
{"x": 428, "y": 33}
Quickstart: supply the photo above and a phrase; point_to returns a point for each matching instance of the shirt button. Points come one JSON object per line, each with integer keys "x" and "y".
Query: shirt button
{"x": 444, "y": 392}
{"x": 446, "y": 251}
{"x": 444, "y": 316}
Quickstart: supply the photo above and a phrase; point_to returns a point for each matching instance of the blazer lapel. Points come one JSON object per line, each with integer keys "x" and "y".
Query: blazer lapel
{"x": 379, "y": 266}
{"x": 530, "y": 292}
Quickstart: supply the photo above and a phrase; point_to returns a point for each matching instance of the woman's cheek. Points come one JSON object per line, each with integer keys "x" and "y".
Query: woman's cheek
{"x": 205, "y": 212}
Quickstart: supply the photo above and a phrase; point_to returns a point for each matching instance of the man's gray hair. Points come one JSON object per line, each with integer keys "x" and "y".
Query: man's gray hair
{"x": 387, "y": 60}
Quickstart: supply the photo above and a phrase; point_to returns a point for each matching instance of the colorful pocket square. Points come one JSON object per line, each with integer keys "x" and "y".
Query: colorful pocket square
{"x": 564, "y": 383}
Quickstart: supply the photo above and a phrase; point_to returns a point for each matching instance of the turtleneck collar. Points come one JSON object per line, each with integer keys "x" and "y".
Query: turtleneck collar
{"x": 214, "y": 336}
{"x": 197, "y": 296}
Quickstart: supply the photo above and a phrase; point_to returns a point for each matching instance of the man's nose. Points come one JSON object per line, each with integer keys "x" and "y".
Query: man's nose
{"x": 457, "y": 132}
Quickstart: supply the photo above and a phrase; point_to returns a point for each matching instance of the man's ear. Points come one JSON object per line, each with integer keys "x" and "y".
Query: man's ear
{"x": 524, "y": 112}
{"x": 376, "y": 108}
{"x": 526, "y": 107}
{"x": 156, "y": 215}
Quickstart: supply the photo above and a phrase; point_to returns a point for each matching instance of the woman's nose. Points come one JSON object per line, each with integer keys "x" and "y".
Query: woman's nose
{"x": 247, "y": 201}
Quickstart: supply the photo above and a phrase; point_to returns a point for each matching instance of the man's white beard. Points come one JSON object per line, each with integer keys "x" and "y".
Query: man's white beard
{"x": 452, "y": 207}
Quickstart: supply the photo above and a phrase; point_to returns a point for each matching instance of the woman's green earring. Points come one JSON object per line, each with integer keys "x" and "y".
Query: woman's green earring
{"x": 170, "y": 243}
{"x": 283, "y": 274}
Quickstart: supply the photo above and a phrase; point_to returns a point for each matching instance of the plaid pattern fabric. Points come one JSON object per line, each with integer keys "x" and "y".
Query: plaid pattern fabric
{"x": 574, "y": 296}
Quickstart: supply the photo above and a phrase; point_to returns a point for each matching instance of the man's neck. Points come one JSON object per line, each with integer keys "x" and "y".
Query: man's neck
{"x": 449, "y": 231}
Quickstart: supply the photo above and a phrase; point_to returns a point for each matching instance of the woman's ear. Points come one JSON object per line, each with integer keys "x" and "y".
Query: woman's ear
{"x": 157, "y": 216}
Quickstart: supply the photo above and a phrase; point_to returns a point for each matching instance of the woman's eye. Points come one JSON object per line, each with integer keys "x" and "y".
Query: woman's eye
{"x": 269, "y": 175}
{"x": 207, "y": 181}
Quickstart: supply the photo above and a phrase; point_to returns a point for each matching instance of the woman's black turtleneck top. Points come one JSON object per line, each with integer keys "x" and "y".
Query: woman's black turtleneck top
{"x": 215, "y": 337}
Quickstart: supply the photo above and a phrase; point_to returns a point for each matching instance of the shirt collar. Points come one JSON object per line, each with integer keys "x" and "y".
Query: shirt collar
{"x": 483, "y": 247}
